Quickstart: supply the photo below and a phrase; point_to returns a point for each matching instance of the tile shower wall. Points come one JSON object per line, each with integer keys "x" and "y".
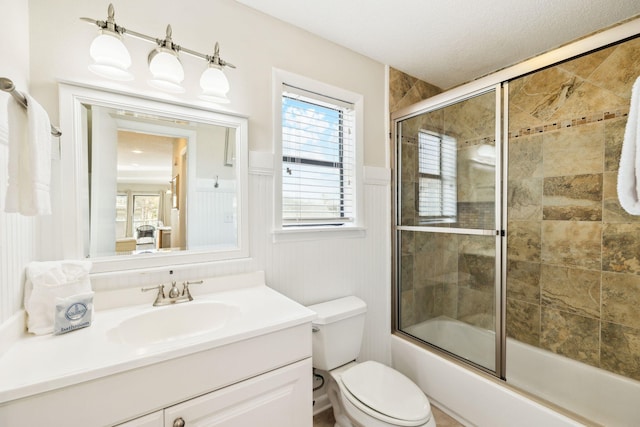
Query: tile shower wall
{"x": 573, "y": 274}
{"x": 405, "y": 90}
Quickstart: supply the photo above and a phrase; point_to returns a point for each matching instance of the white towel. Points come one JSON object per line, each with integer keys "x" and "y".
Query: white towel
{"x": 46, "y": 282}
{"x": 28, "y": 191}
{"x": 629, "y": 171}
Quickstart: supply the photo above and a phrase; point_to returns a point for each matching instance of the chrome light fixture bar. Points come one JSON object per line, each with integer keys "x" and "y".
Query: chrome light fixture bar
{"x": 111, "y": 59}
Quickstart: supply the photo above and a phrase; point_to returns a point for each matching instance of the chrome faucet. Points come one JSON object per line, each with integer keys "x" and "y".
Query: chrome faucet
{"x": 175, "y": 295}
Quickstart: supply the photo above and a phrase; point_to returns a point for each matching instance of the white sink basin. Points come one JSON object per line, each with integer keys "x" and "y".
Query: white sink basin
{"x": 168, "y": 323}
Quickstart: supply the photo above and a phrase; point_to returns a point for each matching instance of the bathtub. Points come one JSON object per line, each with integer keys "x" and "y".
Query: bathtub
{"x": 596, "y": 395}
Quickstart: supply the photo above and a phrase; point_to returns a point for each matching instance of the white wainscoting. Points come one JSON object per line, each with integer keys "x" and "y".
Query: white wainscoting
{"x": 17, "y": 244}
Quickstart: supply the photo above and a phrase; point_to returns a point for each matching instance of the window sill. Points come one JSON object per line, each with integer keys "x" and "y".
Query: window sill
{"x": 293, "y": 234}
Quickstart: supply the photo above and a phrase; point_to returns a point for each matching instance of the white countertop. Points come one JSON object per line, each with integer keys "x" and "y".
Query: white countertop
{"x": 36, "y": 364}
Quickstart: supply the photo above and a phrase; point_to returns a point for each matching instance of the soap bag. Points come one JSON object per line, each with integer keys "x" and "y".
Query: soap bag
{"x": 74, "y": 312}
{"x": 47, "y": 281}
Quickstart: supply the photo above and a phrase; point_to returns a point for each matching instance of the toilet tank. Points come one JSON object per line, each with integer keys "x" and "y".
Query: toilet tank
{"x": 338, "y": 329}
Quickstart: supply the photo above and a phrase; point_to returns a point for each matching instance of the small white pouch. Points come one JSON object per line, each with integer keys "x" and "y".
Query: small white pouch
{"x": 47, "y": 281}
{"x": 74, "y": 312}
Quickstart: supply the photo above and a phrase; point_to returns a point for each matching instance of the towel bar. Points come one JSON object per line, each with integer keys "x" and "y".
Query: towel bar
{"x": 8, "y": 86}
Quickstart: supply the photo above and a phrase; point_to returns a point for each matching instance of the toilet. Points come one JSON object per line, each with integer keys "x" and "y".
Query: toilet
{"x": 367, "y": 394}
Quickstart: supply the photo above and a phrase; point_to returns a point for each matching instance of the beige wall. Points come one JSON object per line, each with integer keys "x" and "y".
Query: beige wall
{"x": 252, "y": 41}
{"x": 573, "y": 281}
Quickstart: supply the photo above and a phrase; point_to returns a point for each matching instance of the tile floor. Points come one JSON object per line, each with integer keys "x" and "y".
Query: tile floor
{"x": 325, "y": 419}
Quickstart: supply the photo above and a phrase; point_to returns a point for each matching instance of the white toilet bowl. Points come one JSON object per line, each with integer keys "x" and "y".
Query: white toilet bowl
{"x": 367, "y": 394}
{"x": 371, "y": 394}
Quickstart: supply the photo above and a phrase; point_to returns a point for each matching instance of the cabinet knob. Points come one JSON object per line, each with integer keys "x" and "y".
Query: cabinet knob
{"x": 179, "y": 422}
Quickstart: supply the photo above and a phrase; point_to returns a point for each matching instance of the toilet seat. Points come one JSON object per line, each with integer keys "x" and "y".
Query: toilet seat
{"x": 385, "y": 394}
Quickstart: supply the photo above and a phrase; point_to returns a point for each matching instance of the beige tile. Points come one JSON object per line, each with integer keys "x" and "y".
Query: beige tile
{"x": 572, "y": 243}
{"x": 407, "y": 242}
{"x": 472, "y": 118}
{"x": 326, "y": 419}
{"x": 572, "y": 198}
{"x": 589, "y": 97}
{"x": 570, "y": 335}
{"x": 613, "y": 138}
{"x": 524, "y": 240}
{"x": 450, "y": 300}
{"x": 620, "y": 350}
{"x": 523, "y": 281}
{"x": 406, "y": 274}
{"x": 543, "y": 93}
{"x": 425, "y": 304}
{"x": 612, "y": 212}
{"x": 520, "y": 119}
{"x": 574, "y": 151}
{"x": 443, "y": 419}
{"x": 523, "y": 321}
{"x": 621, "y": 299}
{"x": 476, "y": 307}
{"x": 478, "y": 270}
{"x": 525, "y": 158}
{"x": 524, "y": 199}
{"x": 619, "y": 71}
{"x": 585, "y": 65}
{"x": 407, "y": 310}
{"x": 405, "y": 90}
{"x": 621, "y": 248}
{"x": 435, "y": 255}
{"x": 569, "y": 289}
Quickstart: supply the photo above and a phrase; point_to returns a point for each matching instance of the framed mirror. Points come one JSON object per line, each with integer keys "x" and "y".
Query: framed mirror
{"x": 148, "y": 183}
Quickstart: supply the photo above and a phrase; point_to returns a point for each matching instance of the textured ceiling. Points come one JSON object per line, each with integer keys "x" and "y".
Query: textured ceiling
{"x": 449, "y": 42}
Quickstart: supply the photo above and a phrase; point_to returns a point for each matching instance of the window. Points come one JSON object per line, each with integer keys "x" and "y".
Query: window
{"x": 146, "y": 209}
{"x": 437, "y": 188}
{"x": 317, "y": 181}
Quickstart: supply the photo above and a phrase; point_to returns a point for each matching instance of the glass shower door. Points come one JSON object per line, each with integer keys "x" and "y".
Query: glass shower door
{"x": 447, "y": 227}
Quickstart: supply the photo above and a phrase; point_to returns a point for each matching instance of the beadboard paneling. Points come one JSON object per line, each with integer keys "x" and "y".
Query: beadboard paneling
{"x": 17, "y": 244}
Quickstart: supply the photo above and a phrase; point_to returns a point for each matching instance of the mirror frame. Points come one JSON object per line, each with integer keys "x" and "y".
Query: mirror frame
{"x": 73, "y": 175}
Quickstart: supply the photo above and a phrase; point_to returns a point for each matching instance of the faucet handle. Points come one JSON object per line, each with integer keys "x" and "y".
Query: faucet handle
{"x": 160, "y": 295}
{"x": 160, "y": 289}
{"x": 185, "y": 288}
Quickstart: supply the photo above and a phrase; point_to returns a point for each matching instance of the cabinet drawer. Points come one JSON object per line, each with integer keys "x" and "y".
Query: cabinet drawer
{"x": 280, "y": 398}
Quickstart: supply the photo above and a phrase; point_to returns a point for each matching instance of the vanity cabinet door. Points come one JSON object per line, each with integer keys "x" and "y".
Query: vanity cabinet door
{"x": 280, "y": 398}
{"x": 155, "y": 419}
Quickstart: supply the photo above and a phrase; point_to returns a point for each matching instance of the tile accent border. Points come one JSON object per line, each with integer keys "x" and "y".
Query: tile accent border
{"x": 567, "y": 123}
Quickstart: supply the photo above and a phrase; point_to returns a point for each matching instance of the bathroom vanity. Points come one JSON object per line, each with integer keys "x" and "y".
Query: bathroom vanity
{"x": 238, "y": 355}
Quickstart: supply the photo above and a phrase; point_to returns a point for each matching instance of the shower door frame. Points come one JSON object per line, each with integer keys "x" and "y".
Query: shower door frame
{"x": 500, "y": 204}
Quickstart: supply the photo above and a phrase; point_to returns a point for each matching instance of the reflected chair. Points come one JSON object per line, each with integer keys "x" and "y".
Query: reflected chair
{"x": 146, "y": 237}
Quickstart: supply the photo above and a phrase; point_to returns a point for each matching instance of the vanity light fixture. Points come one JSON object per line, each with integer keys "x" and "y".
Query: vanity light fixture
{"x": 111, "y": 59}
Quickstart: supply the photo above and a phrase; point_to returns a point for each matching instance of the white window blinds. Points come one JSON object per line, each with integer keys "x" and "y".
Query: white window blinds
{"x": 318, "y": 164}
{"x": 437, "y": 190}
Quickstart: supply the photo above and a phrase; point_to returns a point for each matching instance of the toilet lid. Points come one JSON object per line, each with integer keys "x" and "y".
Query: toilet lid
{"x": 387, "y": 391}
